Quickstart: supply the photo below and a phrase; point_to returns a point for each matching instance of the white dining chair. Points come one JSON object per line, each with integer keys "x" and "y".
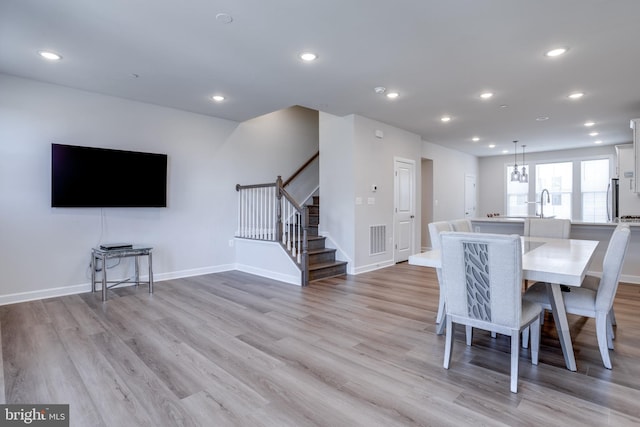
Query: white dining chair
{"x": 482, "y": 275}
{"x": 435, "y": 228}
{"x": 594, "y": 303}
{"x": 592, "y": 282}
{"x": 547, "y": 227}
{"x": 555, "y": 228}
{"x": 462, "y": 225}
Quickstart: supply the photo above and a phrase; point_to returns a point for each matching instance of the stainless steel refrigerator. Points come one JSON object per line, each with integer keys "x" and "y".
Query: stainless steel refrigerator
{"x": 613, "y": 200}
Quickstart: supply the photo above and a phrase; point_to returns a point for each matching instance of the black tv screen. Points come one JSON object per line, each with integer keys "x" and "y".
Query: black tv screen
{"x": 100, "y": 178}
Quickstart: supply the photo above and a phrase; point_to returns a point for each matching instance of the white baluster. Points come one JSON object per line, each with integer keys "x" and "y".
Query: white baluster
{"x": 299, "y": 221}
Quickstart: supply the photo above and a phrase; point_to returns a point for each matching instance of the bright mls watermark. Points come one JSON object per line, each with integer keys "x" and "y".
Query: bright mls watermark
{"x": 34, "y": 415}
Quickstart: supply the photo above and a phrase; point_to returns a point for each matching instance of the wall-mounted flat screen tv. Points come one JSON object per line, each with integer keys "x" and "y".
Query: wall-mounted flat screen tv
{"x": 86, "y": 177}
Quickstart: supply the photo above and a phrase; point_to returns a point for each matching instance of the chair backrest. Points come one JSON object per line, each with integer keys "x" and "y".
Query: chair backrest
{"x": 435, "y": 228}
{"x": 482, "y": 277}
{"x": 462, "y": 225}
{"x": 612, "y": 267}
{"x": 550, "y": 227}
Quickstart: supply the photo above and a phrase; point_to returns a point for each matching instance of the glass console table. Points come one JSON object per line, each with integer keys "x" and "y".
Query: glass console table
{"x": 98, "y": 254}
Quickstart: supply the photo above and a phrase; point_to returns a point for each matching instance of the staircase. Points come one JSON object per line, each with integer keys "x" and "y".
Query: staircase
{"x": 269, "y": 212}
{"x": 322, "y": 260}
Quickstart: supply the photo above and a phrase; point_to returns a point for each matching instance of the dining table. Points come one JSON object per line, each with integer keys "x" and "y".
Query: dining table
{"x": 556, "y": 262}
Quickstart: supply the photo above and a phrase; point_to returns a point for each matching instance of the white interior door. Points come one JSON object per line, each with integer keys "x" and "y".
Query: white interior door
{"x": 469, "y": 196}
{"x": 405, "y": 211}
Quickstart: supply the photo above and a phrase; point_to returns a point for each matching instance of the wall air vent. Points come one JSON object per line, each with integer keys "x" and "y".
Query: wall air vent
{"x": 377, "y": 239}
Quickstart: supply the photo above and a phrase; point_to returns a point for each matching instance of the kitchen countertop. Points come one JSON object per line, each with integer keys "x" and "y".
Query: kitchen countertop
{"x": 600, "y": 231}
{"x": 514, "y": 220}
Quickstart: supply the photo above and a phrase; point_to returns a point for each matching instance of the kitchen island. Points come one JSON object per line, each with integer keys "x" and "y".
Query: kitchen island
{"x": 579, "y": 230}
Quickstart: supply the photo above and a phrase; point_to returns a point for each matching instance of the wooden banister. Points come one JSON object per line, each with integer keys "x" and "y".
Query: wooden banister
{"x": 300, "y": 169}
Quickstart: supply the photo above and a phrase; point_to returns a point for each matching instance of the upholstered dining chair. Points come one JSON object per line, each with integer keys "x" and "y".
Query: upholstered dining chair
{"x": 594, "y": 303}
{"x": 592, "y": 282}
{"x": 435, "y": 228}
{"x": 462, "y": 225}
{"x": 547, "y": 227}
{"x": 482, "y": 274}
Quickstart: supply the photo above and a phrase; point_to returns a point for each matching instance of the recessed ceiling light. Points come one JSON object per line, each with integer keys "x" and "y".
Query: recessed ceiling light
{"x": 597, "y": 142}
{"x": 308, "y": 56}
{"x": 492, "y": 145}
{"x": 505, "y": 151}
{"x": 486, "y": 95}
{"x": 504, "y": 106}
{"x": 393, "y": 95}
{"x": 445, "y": 119}
{"x": 542, "y": 118}
{"x": 475, "y": 139}
{"x": 556, "y": 52}
{"x": 218, "y": 98}
{"x": 576, "y": 95}
{"x": 224, "y": 18}
{"x": 51, "y": 56}
{"x": 380, "y": 90}
{"x": 589, "y": 124}
{"x": 594, "y": 134}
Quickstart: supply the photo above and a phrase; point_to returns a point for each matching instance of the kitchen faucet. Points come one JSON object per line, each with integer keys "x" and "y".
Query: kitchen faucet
{"x": 542, "y": 201}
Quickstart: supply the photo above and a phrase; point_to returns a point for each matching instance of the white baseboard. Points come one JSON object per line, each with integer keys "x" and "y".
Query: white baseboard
{"x": 86, "y": 287}
{"x": 634, "y": 280}
{"x": 373, "y": 267}
{"x": 293, "y": 280}
{"x": 624, "y": 278}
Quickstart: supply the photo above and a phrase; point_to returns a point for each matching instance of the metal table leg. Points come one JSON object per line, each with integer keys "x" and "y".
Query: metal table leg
{"x": 150, "y": 273}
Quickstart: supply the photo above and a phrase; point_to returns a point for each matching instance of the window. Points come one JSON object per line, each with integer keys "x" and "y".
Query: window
{"x": 594, "y": 181}
{"x": 577, "y": 189}
{"x": 557, "y": 178}
{"x": 517, "y": 195}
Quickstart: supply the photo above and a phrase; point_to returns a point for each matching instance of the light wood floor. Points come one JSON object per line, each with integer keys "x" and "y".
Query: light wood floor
{"x": 233, "y": 349}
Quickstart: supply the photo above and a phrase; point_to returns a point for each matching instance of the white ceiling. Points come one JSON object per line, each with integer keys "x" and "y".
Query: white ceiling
{"x": 439, "y": 55}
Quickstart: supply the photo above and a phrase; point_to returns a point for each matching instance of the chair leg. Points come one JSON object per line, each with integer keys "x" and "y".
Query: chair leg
{"x": 468, "y": 330}
{"x": 440, "y": 317}
{"x": 448, "y": 343}
{"x": 535, "y": 340}
{"x": 612, "y": 323}
{"x": 515, "y": 348}
{"x": 613, "y": 317}
{"x": 609, "y": 332}
{"x": 525, "y": 336}
{"x": 440, "y": 326}
{"x": 601, "y": 334}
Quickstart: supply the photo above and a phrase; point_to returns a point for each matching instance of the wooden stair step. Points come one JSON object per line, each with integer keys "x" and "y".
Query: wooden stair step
{"x": 327, "y": 269}
{"x": 321, "y": 255}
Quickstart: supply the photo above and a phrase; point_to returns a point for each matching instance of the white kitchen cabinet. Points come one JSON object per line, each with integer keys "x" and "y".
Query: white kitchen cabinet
{"x": 626, "y": 167}
{"x": 628, "y": 197}
{"x": 635, "y": 125}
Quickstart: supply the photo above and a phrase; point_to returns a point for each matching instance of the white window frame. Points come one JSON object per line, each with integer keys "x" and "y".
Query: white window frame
{"x": 576, "y": 192}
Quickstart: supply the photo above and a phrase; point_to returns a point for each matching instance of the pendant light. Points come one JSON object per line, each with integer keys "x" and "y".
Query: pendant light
{"x": 524, "y": 177}
{"x": 515, "y": 174}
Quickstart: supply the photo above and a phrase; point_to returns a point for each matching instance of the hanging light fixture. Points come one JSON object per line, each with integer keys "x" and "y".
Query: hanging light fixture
{"x": 524, "y": 177}
{"x": 515, "y": 174}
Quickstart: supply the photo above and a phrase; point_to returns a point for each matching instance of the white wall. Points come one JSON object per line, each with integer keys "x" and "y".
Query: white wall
{"x": 427, "y": 202}
{"x": 337, "y": 185}
{"x": 352, "y": 159}
{"x": 492, "y": 181}
{"x": 374, "y": 163}
{"x": 46, "y": 251}
{"x": 449, "y": 170}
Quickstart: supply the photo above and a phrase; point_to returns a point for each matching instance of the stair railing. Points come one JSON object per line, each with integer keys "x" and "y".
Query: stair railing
{"x": 268, "y": 212}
